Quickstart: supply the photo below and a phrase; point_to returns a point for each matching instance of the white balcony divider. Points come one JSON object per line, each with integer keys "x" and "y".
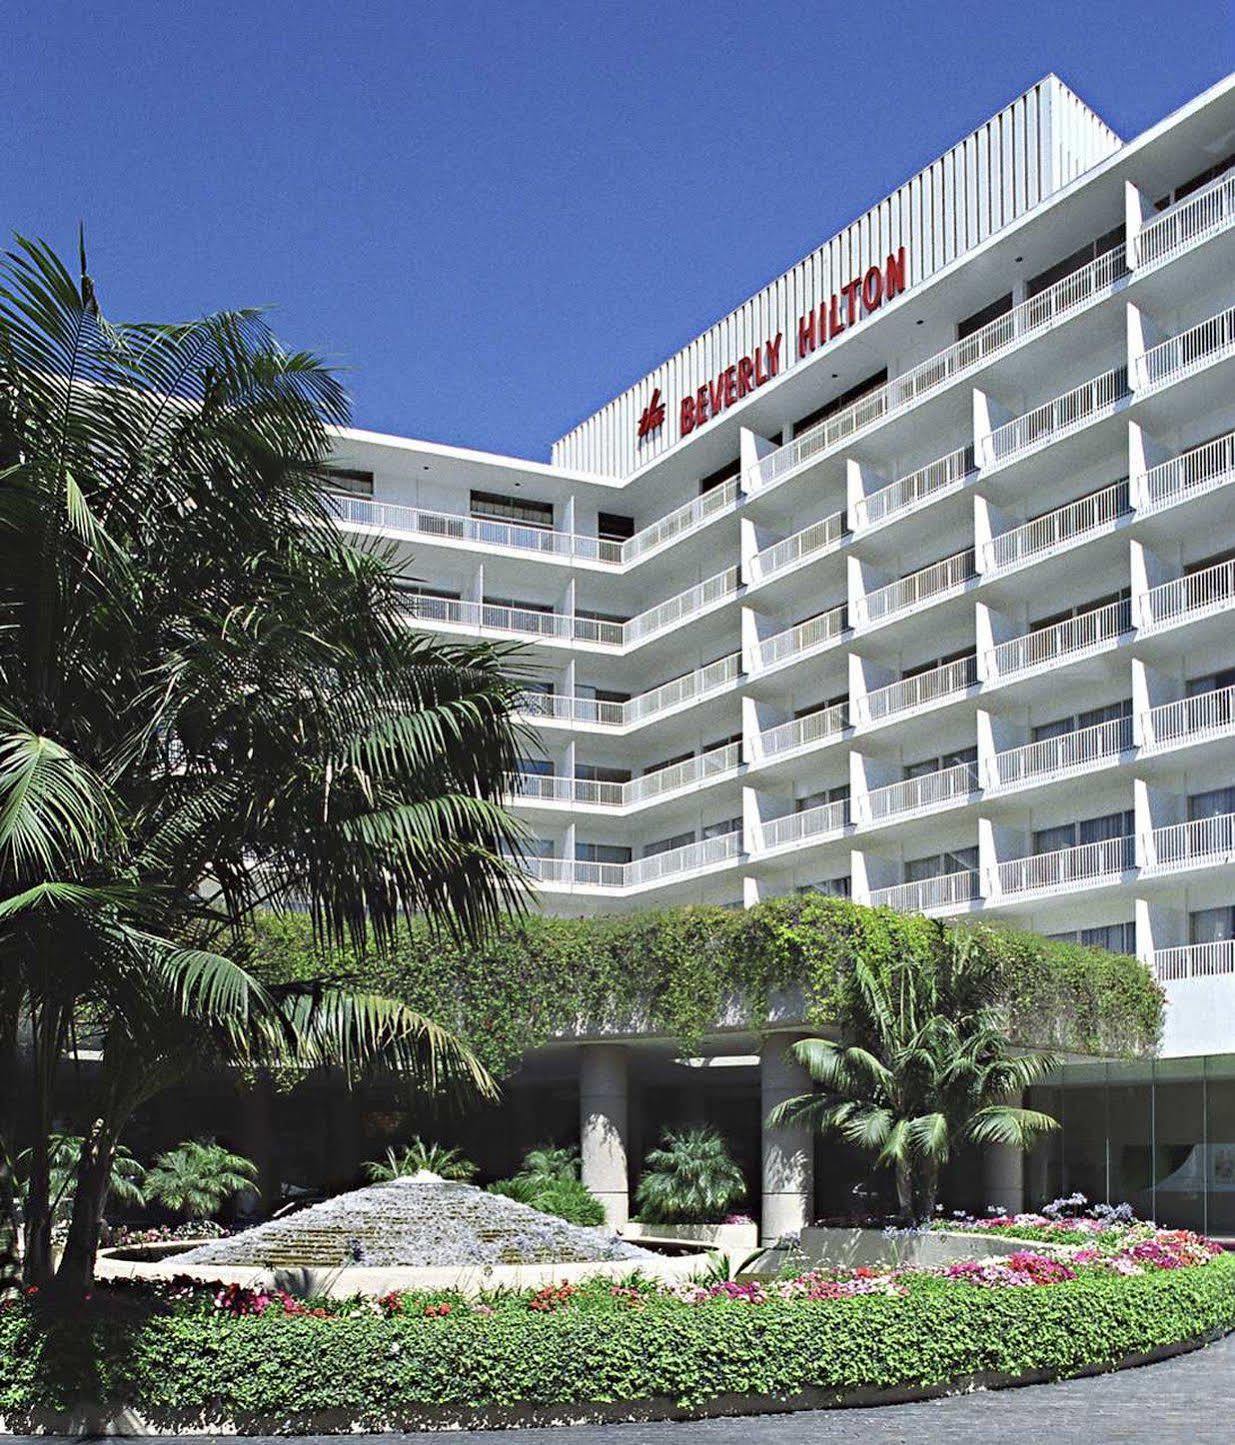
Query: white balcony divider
{"x": 686, "y": 604}
{"x": 690, "y": 687}
{"x": 1096, "y": 513}
{"x": 1068, "y": 868}
{"x": 684, "y": 519}
{"x": 1061, "y": 756}
{"x": 1191, "y": 221}
{"x": 1201, "y": 470}
{"x": 929, "y": 790}
{"x": 804, "y": 636}
{"x": 1185, "y": 598}
{"x": 1189, "y": 845}
{"x": 809, "y": 823}
{"x": 689, "y": 859}
{"x": 812, "y": 541}
{"x": 922, "y": 689}
{"x": 947, "y": 890}
{"x": 1195, "y": 960}
{"x": 1190, "y": 351}
{"x": 815, "y": 727}
{"x": 906, "y": 593}
{"x": 1191, "y": 719}
{"x": 1031, "y": 318}
{"x": 945, "y": 474}
{"x": 1059, "y": 417}
{"x": 1090, "y": 631}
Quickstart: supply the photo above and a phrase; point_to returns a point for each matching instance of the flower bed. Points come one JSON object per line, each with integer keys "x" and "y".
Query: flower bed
{"x": 262, "y": 1360}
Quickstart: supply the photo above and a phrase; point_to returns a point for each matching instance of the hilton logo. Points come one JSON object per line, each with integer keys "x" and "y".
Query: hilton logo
{"x": 653, "y": 416}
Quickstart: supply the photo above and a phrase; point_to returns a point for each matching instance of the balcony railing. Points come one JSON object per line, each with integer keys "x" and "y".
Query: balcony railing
{"x": 1184, "y": 599}
{"x": 1063, "y": 756}
{"x": 686, "y": 604}
{"x": 1031, "y": 318}
{"x": 1195, "y": 960}
{"x": 1090, "y": 632}
{"x": 922, "y": 690}
{"x": 906, "y": 593}
{"x": 804, "y": 637}
{"x": 937, "y": 478}
{"x": 1202, "y": 215}
{"x": 659, "y": 867}
{"x": 1191, "y": 719}
{"x": 1084, "y": 518}
{"x": 809, "y": 823}
{"x": 912, "y": 795}
{"x": 1200, "y": 843}
{"x": 683, "y": 520}
{"x": 1192, "y": 350}
{"x": 947, "y": 890}
{"x": 694, "y": 686}
{"x": 590, "y": 792}
{"x": 574, "y": 872}
{"x": 813, "y": 541}
{"x": 1068, "y": 868}
{"x": 815, "y": 727}
{"x": 1056, "y": 419}
{"x": 1201, "y": 470}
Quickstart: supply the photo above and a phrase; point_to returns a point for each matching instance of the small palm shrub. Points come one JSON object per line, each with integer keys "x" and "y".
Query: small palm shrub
{"x": 420, "y": 1157}
{"x": 548, "y": 1180}
{"x": 550, "y": 1161}
{"x": 198, "y": 1177}
{"x": 126, "y": 1182}
{"x": 690, "y": 1179}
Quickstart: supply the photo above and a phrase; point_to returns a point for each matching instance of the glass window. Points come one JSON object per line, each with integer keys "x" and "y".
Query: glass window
{"x": 839, "y": 403}
{"x": 666, "y": 845}
{"x": 1117, "y": 937}
{"x": 348, "y": 482}
{"x": 723, "y": 829}
{"x": 1109, "y": 825}
{"x": 526, "y": 513}
{"x": 1051, "y": 840}
{"x": 614, "y": 527}
{"x": 979, "y": 319}
{"x": 601, "y": 853}
{"x": 1211, "y": 925}
{"x": 595, "y": 773}
{"x": 1213, "y": 804}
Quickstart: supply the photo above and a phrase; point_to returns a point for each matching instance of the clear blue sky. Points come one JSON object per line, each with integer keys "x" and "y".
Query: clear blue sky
{"x": 496, "y": 215}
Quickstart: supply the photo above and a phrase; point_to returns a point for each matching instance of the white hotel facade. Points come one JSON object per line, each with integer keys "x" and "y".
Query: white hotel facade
{"x": 912, "y": 580}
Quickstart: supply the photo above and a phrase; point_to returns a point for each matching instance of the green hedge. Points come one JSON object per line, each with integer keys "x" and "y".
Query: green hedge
{"x": 673, "y": 972}
{"x": 276, "y": 1371}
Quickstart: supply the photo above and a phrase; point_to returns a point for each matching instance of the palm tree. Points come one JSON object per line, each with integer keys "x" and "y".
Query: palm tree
{"x": 420, "y": 1157}
{"x": 198, "y": 1177}
{"x": 126, "y": 1183}
{"x": 547, "y": 1163}
{"x": 210, "y": 703}
{"x": 690, "y": 1179}
{"x": 924, "y": 1066}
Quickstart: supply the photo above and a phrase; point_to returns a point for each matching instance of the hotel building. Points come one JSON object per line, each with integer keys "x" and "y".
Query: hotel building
{"x": 911, "y": 580}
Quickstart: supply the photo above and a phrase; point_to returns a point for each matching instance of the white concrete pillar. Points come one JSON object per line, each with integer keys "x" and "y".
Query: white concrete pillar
{"x": 1143, "y": 333}
{"x": 1003, "y": 1178}
{"x": 1148, "y": 569}
{"x": 992, "y": 627}
{"x": 1151, "y": 688}
{"x": 1144, "y": 453}
{"x": 752, "y": 449}
{"x": 860, "y": 481}
{"x": 996, "y": 734}
{"x": 1138, "y": 208}
{"x": 604, "y": 1128}
{"x": 787, "y": 1154}
{"x": 988, "y": 416}
{"x": 989, "y": 522}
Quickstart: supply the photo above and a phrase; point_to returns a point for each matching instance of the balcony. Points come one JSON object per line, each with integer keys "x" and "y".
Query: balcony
{"x": 944, "y": 893}
{"x": 1195, "y": 960}
{"x": 691, "y": 687}
{"x": 1032, "y": 318}
{"x": 1090, "y": 633}
{"x": 810, "y": 825}
{"x": 804, "y": 638}
{"x": 1210, "y": 341}
{"x": 1190, "y": 720}
{"x": 1201, "y": 470}
{"x": 1191, "y": 222}
{"x": 816, "y": 540}
{"x": 929, "y": 584}
{"x": 922, "y": 690}
{"x": 1055, "y": 531}
{"x": 681, "y": 523}
{"x": 1202, "y": 843}
{"x": 665, "y": 867}
{"x": 907, "y": 493}
{"x": 1185, "y": 599}
{"x": 681, "y": 608}
{"x": 693, "y": 772}
{"x": 1067, "y": 869}
{"x": 1063, "y": 756}
{"x": 1054, "y": 420}
{"x": 804, "y": 732}
{"x": 922, "y": 794}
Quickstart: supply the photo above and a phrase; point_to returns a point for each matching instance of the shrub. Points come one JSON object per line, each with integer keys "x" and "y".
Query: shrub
{"x": 690, "y": 1179}
{"x": 564, "y": 1196}
{"x": 420, "y": 1157}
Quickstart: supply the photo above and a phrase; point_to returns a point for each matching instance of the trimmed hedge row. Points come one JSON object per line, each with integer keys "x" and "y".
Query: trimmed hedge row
{"x": 676, "y": 971}
{"x": 278, "y": 1371}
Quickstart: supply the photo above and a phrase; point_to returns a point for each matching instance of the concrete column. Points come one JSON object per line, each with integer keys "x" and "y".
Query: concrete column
{"x": 752, "y": 448}
{"x": 1003, "y": 1178}
{"x": 788, "y": 1154}
{"x": 604, "y": 1127}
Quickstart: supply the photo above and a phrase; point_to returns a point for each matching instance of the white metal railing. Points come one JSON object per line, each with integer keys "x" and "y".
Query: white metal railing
{"x": 804, "y": 636}
{"x": 1100, "y": 628}
{"x": 569, "y": 872}
{"x": 809, "y": 823}
{"x": 945, "y": 474}
{"x": 812, "y": 541}
{"x": 1097, "y": 512}
{"x": 928, "y": 790}
{"x": 542, "y": 788}
{"x": 1064, "y": 755}
{"x": 1186, "y": 845}
{"x": 922, "y": 689}
{"x": 815, "y": 727}
{"x": 686, "y": 604}
{"x": 1190, "y": 719}
{"x": 918, "y": 587}
{"x": 1057, "y": 418}
{"x": 591, "y": 792}
{"x": 681, "y": 521}
{"x": 1195, "y": 960}
{"x": 1068, "y": 867}
{"x": 690, "y": 687}
{"x": 1192, "y": 220}
{"x": 946, "y": 890}
{"x": 491, "y": 617}
{"x": 1196, "y": 472}
{"x": 1186, "y": 598}
{"x": 1031, "y": 318}
{"x": 573, "y": 709}
{"x": 1179, "y": 356}
{"x": 688, "y": 859}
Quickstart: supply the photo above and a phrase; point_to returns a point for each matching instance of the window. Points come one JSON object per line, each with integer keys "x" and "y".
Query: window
{"x": 1211, "y": 925}
{"x": 821, "y": 706}
{"x": 601, "y": 853}
{"x": 723, "y": 829}
{"x": 839, "y": 403}
{"x": 1081, "y": 608}
{"x": 589, "y": 615}
{"x": 537, "y": 848}
{"x": 1206, "y": 562}
{"x": 919, "y": 668}
{"x": 720, "y": 476}
{"x": 721, "y": 743}
{"x": 1216, "y": 803}
{"x": 667, "y": 763}
{"x": 829, "y": 887}
{"x": 982, "y": 318}
{"x": 598, "y": 773}
{"x": 1210, "y": 682}
{"x": 536, "y": 767}
{"x": 1114, "y": 937}
{"x": 1089, "y": 830}
{"x": 1044, "y": 280}
{"x": 348, "y": 482}
{"x": 416, "y": 589}
{"x": 1202, "y": 178}
{"x": 600, "y": 694}
{"x": 1091, "y": 717}
{"x": 937, "y": 865}
{"x": 937, "y": 765}
{"x": 837, "y": 794}
{"x": 667, "y": 845}
{"x": 612, "y": 527}
{"x": 494, "y": 507}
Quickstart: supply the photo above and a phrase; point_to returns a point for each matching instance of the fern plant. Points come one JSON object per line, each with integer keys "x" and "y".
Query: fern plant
{"x": 690, "y": 1179}
{"x": 198, "y": 1177}
{"x": 420, "y": 1156}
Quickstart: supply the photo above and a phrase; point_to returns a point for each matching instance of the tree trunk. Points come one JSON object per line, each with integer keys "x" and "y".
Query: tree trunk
{"x": 48, "y": 1031}
{"x": 926, "y": 1191}
{"x": 76, "y": 1273}
{"x": 905, "y": 1192}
